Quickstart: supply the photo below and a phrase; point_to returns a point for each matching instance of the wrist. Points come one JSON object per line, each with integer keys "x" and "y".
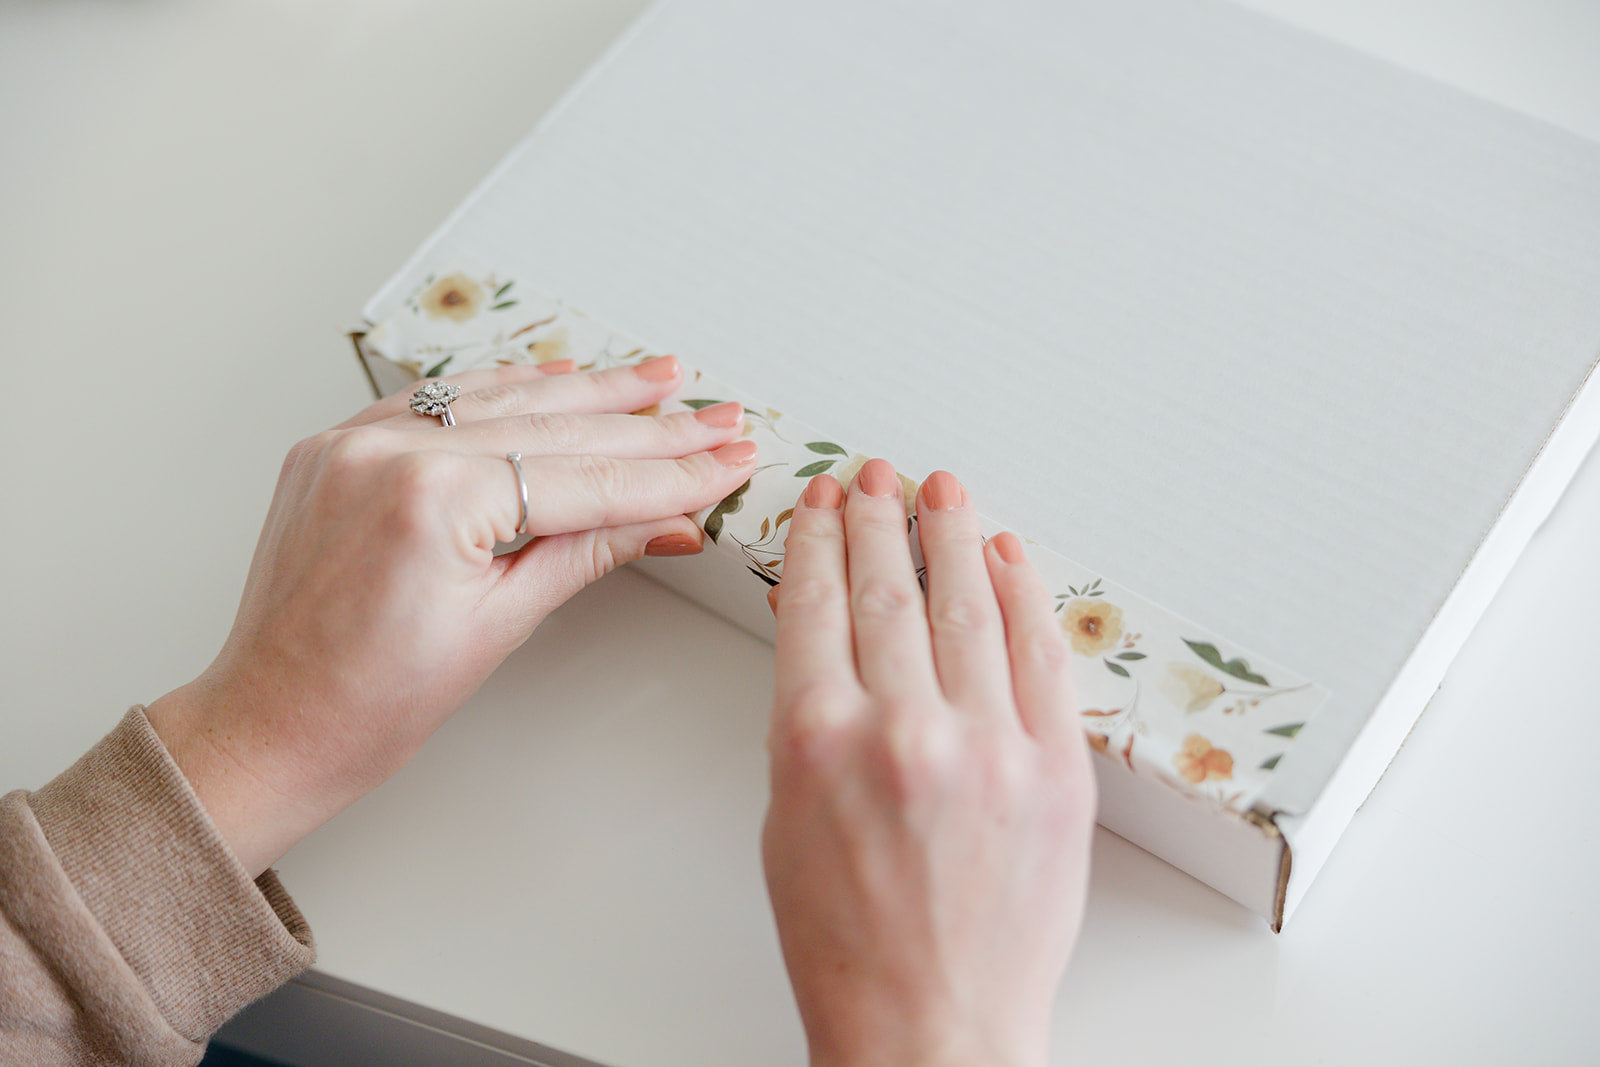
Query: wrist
{"x": 258, "y": 818}
{"x": 902, "y": 1043}
{"x": 916, "y": 1054}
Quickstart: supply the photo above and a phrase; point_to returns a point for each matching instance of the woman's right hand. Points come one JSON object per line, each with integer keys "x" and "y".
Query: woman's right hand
{"x": 927, "y": 844}
{"x": 376, "y": 604}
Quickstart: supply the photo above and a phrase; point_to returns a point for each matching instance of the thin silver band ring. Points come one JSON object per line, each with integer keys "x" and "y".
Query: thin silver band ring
{"x": 522, "y": 491}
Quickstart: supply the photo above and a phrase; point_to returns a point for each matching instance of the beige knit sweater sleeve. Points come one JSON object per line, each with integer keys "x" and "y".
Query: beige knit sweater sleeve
{"x": 128, "y": 930}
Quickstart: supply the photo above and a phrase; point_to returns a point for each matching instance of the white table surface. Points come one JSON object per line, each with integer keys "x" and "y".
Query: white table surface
{"x": 195, "y": 201}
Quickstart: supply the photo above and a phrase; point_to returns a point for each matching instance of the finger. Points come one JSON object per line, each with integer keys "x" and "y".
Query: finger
{"x": 893, "y": 653}
{"x": 618, "y": 436}
{"x": 545, "y": 573}
{"x": 489, "y": 377}
{"x": 969, "y": 647}
{"x": 617, "y": 389}
{"x": 573, "y": 493}
{"x": 1040, "y": 676}
{"x": 813, "y": 608}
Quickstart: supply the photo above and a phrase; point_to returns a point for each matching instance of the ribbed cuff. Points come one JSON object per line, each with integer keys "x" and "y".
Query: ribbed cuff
{"x": 145, "y": 859}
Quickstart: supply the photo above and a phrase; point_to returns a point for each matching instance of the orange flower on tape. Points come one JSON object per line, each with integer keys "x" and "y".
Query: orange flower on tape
{"x": 456, "y": 298}
{"x": 1093, "y": 624}
{"x": 1199, "y": 762}
{"x": 551, "y": 347}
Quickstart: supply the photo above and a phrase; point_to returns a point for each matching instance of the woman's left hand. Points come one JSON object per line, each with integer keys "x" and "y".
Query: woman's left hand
{"x": 927, "y": 845}
{"x": 375, "y": 603}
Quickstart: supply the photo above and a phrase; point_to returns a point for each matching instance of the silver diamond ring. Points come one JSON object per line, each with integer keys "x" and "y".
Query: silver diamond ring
{"x": 522, "y": 490}
{"x": 434, "y": 399}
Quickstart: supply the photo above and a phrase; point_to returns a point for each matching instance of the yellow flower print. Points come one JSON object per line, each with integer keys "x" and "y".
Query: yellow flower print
{"x": 456, "y": 298}
{"x": 852, "y": 466}
{"x": 1190, "y": 688}
{"x": 1198, "y": 762}
{"x": 1093, "y": 624}
{"x": 551, "y": 347}
{"x": 846, "y": 473}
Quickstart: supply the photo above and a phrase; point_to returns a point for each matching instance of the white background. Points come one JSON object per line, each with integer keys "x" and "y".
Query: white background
{"x": 195, "y": 201}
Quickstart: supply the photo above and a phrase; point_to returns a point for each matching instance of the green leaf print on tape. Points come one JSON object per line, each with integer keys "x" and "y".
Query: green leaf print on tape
{"x": 811, "y": 470}
{"x": 730, "y": 504}
{"x": 1238, "y": 668}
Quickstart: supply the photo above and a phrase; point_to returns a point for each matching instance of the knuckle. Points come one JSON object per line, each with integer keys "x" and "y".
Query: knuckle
{"x": 411, "y": 482}
{"x": 353, "y": 446}
{"x": 963, "y": 614}
{"x": 308, "y": 450}
{"x": 678, "y": 426}
{"x": 695, "y": 481}
{"x": 810, "y": 592}
{"x": 602, "y": 559}
{"x": 1042, "y": 650}
{"x": 1000, "y": 773}
{"x": 807, "y": 531}
{"x": 501, "y": 398}
{"x": 953, "y": 532}
{"x": 916, "y": 757}
{"x": 879, "y": 521}
{"x": 1011, "y": 777}
{"x": 821, "y": 702}
{"x": 557, "y": 434}
{"x": 801, "y": 739}
{"x": 342, "y": 456}
{"x": 610, "y": 487}
{"x": 603, "y": 474}
{"x": 698, "y": 468}
{"x": 881, "y": 599}
{"x": 810, "y": 729}
{"x": 904, "y": 721}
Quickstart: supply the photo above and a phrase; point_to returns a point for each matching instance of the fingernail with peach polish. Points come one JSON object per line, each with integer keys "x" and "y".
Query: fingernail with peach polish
{"x": 1009, "y": 547}
{"x": 941, "y": 491}
{"x": 877, "y": 478}
{"x": 738, "y": 454}
{"x": 559, "y": 366}
{"x": 824, "y": 491}
{"x": 658, "y": 369}
{"x": 673, "y": 545}
{"x": 724, "y": 416}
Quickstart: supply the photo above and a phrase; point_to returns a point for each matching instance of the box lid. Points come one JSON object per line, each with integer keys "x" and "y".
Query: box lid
{"x": 1261, "y": 328}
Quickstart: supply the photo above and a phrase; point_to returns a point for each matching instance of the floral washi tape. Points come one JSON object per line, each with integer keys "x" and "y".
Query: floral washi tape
{"x": 1158, "y": 695}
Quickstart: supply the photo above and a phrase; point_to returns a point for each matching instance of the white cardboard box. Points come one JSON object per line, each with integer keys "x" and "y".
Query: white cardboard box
{"x": 1289, "y": 347}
